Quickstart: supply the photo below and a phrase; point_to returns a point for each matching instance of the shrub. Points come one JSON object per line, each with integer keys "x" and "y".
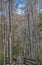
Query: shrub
{"x": 40, "y": 57}
{"x": 15, "y": 52}
{"x": 1, "y": 58}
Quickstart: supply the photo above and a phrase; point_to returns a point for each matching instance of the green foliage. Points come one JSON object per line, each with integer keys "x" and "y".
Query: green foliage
{"x": 40, "y": 56}
{"x": 40, "y": 22}
{"x": 40, "y": 17}
{"x": 40, "y": 26}
{"x": 1, "y": 58}
{"x": 15, "y": 52}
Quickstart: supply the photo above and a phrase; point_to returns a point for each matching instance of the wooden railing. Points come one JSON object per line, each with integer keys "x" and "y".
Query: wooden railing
{"x": 7, "y": 60}
{"x": 28, "y": 61}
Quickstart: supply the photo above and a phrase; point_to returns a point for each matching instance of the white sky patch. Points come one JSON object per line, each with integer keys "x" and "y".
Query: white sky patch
{"x": 21, "y": 5}
{"x": 18, "y": 7}
{"x": 21, "y": 12}
{"x": 18, "y": 11}
{"x": 40, "y": 10}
